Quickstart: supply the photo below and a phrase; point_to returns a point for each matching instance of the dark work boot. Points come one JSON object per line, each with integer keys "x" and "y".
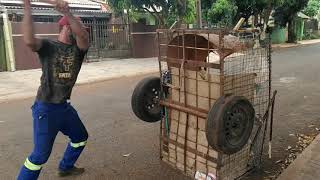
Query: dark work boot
{"x": 71, "y": 172}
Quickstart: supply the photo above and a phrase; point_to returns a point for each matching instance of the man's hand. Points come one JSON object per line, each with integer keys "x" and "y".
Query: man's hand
{"x": 26, "y": 2}
{"x": 62, "y": 6}
{"x": 77, "y": 28}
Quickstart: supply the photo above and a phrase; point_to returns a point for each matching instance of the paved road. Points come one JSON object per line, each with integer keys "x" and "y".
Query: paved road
{"x": 115, "y": 131}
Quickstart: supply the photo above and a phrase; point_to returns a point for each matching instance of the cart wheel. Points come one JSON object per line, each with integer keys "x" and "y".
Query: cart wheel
{"x": 145, "y": 100}
{"x": 230, "y": 123}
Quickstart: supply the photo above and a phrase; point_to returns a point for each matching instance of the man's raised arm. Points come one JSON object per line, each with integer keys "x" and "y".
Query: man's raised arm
{"x": 27, "y": 26}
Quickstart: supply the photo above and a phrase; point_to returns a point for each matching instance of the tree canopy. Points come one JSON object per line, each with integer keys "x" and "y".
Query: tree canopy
{"x": 312, "y": 8}
{"x": 165, "y": 11}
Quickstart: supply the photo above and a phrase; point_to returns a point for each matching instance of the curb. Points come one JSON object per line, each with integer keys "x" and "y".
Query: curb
{"x": 287, "y": 46}
{"x": 305, "y": 166}
{"x": 27, "y": 95}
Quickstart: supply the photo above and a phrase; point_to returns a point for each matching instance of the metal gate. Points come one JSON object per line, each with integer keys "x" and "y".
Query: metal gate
{"x": 108, "y": 40}
{"x": 3, "y": 64}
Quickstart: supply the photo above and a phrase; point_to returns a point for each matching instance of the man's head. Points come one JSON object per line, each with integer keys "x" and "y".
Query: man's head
{"x": 66, "y": 35}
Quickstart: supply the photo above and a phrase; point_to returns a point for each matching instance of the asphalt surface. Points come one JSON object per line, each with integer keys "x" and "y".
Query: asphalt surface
{"x": 115, "y": 131}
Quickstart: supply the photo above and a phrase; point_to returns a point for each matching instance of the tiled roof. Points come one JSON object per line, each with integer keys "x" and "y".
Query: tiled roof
{"x": 51, "y": 11}
{"x": 72, "y": 3}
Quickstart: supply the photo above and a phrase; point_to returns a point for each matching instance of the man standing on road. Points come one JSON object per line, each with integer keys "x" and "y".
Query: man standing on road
{"x": 52, "y": 112}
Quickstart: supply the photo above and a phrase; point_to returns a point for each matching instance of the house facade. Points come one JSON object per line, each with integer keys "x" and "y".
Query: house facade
{"x": 43, "y": 12}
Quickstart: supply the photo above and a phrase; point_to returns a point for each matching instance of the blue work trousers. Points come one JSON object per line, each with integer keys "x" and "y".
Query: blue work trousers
{"x": 48, "y": 120}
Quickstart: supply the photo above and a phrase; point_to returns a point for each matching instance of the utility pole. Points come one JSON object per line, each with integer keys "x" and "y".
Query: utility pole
{"x": 199, "y": 13}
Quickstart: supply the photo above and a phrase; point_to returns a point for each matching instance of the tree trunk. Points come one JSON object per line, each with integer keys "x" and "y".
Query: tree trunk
{"x": 157, "y": 16}
{"x": 256, "y": 19}
{"x": 292, "y": 37}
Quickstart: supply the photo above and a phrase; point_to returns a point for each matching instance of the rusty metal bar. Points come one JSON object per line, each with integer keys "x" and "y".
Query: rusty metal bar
{"x": 191, "y": 63}
{"x": 183, "y": 68}
{"x": 189, "y": 47}
{"x": 222, "y": 75}
{"x": 176, "y": 147}
{"x": 197, "y": 103}
{"x": 161, "y": 93}
{"x": 193, "y": 31}
{"x": 209, "y": 88}
{"x": 184, "y": 109}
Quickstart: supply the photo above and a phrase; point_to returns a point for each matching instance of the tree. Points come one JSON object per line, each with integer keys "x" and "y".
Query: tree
{"x": 286, "y": 13}
{"x": 206, "y": 6}
{"x": 183, "y": 11}
{"x": 165, "y": 11}
{"x": 312, "y": 8}
{"x": 222, "y": 12}
{"x": 260, "y": 9}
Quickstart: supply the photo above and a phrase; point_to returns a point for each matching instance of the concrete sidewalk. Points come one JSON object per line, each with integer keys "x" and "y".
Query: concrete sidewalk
{"x": 24, "y": 84}
{"x": 291, "y": 45}
{"x": 307, "y": 164}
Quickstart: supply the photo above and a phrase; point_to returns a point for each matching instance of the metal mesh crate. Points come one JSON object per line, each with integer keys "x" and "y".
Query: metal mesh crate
{"x": 197, "y": 67}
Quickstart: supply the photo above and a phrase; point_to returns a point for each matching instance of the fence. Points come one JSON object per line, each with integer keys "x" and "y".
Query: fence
{"x": 108, "y": 40}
